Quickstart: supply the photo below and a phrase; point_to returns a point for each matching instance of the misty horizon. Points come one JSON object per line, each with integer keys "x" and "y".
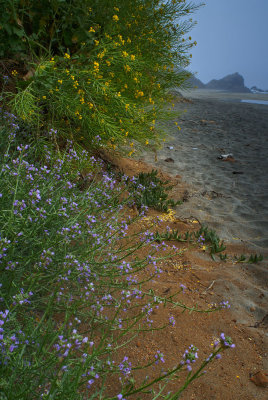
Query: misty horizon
{"x": 236, "y": 72}
{"x": 231, "y": 38}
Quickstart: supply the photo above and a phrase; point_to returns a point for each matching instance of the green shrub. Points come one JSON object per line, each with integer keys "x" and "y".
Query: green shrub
{"x": 98, "y": 71}
{"x": 150, "y": 191}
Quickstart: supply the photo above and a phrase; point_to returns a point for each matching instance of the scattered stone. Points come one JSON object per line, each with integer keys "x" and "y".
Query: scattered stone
{"x": 237, "y": 172}
{"x": 226, "y": 157}
{"x": 260, "y": 379}
{"x": 186, "y": 195}
{"x": 211, "y": 194}
{"x": 169, "y": 159}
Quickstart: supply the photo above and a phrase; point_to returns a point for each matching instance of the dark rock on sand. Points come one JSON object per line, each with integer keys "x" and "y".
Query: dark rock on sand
{"x": 169, "y": 159}
{"x": 260, "y": 379}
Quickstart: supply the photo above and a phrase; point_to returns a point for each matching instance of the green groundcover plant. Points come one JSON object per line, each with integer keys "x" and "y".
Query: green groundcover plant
{"x": 98, "y": 71}
{"x": 72, "y": 284}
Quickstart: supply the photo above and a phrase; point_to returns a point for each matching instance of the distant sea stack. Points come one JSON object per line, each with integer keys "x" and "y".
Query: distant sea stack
{"x": 230, "y": 83}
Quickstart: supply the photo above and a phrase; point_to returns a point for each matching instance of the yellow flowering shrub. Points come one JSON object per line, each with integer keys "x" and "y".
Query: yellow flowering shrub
{"x": 113, "y": 79}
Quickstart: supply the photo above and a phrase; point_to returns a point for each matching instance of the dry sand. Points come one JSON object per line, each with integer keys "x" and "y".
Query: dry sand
{"x": 228, "y": 196}
{"x": 235, "y": 205}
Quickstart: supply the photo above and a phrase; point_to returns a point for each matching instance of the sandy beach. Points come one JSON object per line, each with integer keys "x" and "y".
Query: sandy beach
{"x": 229, "y": 196}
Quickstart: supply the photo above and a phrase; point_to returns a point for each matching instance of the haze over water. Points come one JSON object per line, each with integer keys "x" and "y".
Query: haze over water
{"x": 231, "y": 37}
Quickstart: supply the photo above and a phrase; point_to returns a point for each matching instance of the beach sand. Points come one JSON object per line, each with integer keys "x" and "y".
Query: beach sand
{"x": 228, "y": 196}
{"x": 235, "y": 205}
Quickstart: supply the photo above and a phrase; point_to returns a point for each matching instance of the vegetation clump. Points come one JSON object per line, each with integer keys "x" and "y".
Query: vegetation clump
{"x": 98, "y": 72}
{"x": 73, "y": 286}
{"x": 150, "y": 191}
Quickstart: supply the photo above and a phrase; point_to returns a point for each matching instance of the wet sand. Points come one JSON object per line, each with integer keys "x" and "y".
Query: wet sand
{"x": 228, "y": 196}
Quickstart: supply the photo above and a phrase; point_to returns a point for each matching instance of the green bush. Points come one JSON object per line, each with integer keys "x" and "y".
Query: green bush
{"x": 98, "y": 71}
{"x": 150, "y": 191}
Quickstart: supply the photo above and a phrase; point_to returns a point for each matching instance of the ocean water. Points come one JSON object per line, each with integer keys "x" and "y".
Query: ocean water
{"x": 265, "y": 102}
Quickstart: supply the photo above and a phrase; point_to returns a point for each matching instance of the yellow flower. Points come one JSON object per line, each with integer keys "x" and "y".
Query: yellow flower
{"x": 77, "y": 113}
{"x": 130, "y": 153}
{"x": 118, "y": 94}
{"x": 44, "y": 97}
{"x": 72, "y": 77}
{"x": 128, "y": 40}
{"x": 147, "y": 141}
{"x": 127, "y": 68}
{"x": 115, "y": 18}
{"x": 126, "y": 133}
{"x": 127, "y": 106}
{"x": 66, "y": 55}
{"x": 131, "y": 144}
{"x": 132, "y": 57}
{"x": 124, "y": 54}
{"x": 116, "y": 9}
{"x": 14, "y": 72}
{"x": 67, "y": 71}
{"x": 96, "y": 42}
{"x": 91, "y": 30}
{"x": 101, "y": 55}
{"x": 108, "y": 63}
{"x": 60, "y": 81}
{"x": 139, "y": 93}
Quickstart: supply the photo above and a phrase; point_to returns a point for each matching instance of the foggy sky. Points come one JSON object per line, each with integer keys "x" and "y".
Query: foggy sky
{"x": 232, "y": 36}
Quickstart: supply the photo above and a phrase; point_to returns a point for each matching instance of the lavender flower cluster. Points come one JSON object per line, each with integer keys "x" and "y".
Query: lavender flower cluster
{"x": 62, "y": 250}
